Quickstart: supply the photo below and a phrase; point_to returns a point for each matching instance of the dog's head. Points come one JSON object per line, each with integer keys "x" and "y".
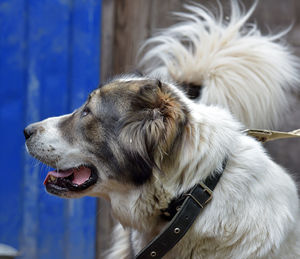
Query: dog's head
{"x": 124, "y": 131}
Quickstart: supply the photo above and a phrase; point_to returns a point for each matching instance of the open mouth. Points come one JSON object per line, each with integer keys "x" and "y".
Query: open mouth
{"x": 73, "y": 179}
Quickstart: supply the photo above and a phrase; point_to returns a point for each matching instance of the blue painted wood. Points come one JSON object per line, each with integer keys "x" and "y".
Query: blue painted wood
{"x": 49, "y": 61}
{"x": 12, "y": 84}
{"x": 47, "y": 93}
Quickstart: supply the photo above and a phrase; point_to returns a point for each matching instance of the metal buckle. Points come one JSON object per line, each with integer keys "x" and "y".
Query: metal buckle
{"x": 206, "y": 189}
{"x": 209, "y": 191}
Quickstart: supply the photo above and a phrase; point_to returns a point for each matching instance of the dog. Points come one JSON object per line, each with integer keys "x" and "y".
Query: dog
{"x": 141, "y": 141}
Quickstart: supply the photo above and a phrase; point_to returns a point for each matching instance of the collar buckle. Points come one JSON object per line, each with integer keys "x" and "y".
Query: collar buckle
{"x": 208, "y": 190}
{"x": 181, "y": 220}
{"x": 205, "y": 189}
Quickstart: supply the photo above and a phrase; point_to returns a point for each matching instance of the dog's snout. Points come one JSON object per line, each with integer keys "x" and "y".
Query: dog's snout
{"x": 31, "y": 130}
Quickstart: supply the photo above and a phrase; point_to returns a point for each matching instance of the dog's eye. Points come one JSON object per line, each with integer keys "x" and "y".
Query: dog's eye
{"x": 85, "y": 112}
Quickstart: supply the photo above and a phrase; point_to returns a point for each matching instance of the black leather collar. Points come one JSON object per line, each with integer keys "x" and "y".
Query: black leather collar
{"x": 181, "y": 212}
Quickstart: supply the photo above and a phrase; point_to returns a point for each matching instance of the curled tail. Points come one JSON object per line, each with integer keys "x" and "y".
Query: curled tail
{"x": 233, "y": 64}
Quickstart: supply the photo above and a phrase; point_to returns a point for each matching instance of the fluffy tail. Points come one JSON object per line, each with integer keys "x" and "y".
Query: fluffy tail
{"x": 236, "y": 66}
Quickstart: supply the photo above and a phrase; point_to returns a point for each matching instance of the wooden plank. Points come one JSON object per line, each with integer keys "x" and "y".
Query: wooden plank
{"x": 162, "y": 13}
{"x": 107, "y": 39}
{"x": 275, "y": 16}
{"x": 132, "y": 26}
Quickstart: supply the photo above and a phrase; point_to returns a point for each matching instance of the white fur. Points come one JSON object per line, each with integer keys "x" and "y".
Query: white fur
{"x": 239, "y": 68}
{"x": 254, "y": 212}
{"x": 119, "y": 245}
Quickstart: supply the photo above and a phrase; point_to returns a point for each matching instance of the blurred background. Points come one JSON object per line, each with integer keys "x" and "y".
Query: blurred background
{"x": 52, "y": 53}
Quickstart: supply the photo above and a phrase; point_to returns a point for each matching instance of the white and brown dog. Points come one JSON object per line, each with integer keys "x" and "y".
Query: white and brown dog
{"x": 140, "y": 141}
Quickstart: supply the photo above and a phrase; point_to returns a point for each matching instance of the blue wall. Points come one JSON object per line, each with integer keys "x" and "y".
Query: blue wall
{"x": 49, "y": 61}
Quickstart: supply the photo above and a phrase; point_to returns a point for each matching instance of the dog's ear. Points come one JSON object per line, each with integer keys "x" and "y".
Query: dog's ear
{"x": 148, "y": 131}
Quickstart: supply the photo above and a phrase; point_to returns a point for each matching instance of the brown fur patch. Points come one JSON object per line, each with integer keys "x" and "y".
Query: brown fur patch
{"x": 155, "y": 123}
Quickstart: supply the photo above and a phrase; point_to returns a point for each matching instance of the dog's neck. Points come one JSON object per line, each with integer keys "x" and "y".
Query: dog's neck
{"x": 139, "y": 207}
{"x": 203, "y": 149}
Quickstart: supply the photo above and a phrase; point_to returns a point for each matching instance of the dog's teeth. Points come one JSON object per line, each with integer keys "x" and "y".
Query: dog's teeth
{"x": 52, "y": 178}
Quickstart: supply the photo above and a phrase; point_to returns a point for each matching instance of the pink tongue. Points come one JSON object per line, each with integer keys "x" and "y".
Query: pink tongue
{"x": 81, "y": 174}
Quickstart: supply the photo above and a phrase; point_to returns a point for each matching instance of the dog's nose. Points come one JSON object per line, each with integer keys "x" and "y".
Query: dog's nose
{"x": 29, "y": 131}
